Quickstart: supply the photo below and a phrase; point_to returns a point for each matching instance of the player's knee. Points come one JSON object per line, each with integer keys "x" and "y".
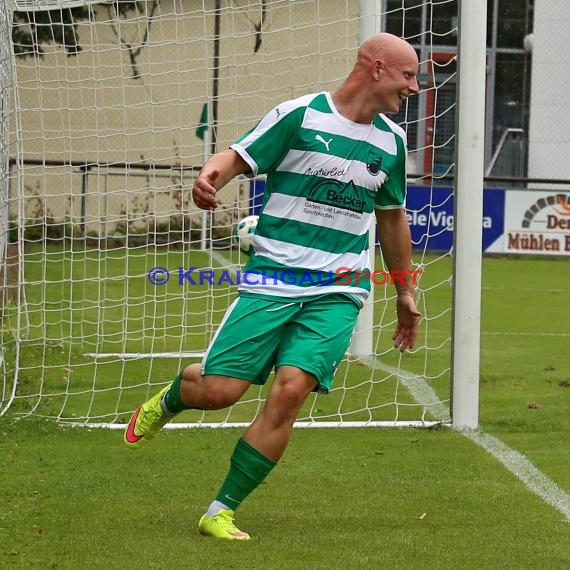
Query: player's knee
{"x": 290, "y": 398}
{"x": 294, "y": 387}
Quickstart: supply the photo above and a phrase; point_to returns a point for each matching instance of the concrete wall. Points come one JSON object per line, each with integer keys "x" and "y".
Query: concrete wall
{"x": 90, "y": 108}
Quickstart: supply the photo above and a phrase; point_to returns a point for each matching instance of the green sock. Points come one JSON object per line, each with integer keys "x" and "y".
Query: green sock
{"x": 172, "y": 399}
{"x": 248, "y": 468}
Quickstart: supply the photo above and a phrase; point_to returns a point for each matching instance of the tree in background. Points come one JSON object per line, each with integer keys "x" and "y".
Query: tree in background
{"x": 32, "y": 31}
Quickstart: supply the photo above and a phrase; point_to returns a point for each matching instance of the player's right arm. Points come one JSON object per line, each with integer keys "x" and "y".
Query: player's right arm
{"x": 257, "y": 152}
{"x": 215, "y": 174}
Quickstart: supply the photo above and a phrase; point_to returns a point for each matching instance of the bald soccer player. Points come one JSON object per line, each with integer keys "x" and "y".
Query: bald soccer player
{"x": 332, "y": 160}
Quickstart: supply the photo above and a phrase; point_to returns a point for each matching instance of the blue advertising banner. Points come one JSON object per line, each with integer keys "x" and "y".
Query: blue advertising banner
{"x": 430, "y": 214}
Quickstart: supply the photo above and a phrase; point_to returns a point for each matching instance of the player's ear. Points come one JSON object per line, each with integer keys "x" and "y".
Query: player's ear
{"x": 378, "y": 69}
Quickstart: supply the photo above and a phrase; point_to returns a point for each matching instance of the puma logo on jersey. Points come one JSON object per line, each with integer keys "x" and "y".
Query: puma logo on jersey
{"x": 321, "y": 139}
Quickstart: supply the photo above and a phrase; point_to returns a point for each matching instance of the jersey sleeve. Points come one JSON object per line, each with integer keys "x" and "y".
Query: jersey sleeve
{"x": 393, "y": 192}
{"x": 265, "y": 146}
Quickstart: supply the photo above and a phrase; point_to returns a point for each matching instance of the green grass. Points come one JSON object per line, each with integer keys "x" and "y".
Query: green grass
{"x": 355, "y": 499}
{"x": 75, "y": 498}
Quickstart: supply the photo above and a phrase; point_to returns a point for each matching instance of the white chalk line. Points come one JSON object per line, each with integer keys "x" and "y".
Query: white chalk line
{"x": 528, "y": 290}
{"x": 509, "y": 333}
{"x": 224, "y": 262}
{"x": 520, "y": 466}
{"x": 512, "y": 460}
{"x": 503, "y": 333}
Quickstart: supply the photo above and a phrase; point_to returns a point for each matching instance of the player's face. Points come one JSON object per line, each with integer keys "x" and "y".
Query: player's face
{"x": 397, "y": 81}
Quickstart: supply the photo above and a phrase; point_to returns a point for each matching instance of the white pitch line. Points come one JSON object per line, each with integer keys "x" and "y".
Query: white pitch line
{"x": 522, "y": 468}
{"x": 518, "y": 333}
{"x": 528, "y": 290}
{"x": 502, "y": 333}
{"x": 224, "y": 262}
{"x": 420, "y": 390}
{"x": 515, "y": 462}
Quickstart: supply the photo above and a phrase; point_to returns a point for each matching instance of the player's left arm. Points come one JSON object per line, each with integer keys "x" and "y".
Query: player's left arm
{"x": 396, "y": 243}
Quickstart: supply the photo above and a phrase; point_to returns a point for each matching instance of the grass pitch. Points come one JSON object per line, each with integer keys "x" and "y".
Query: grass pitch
{"x": 367, "y": 498}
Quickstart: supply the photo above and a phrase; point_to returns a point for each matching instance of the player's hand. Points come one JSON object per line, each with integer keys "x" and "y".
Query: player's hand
{"x": 203, "y": 192}
{"x": 408, "y": 322}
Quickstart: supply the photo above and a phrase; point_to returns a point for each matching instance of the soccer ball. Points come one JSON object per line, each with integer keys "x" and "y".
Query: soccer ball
{"x": 243, "y": 232}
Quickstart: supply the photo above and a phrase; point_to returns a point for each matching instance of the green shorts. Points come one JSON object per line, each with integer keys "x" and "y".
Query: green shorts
{"x": 258, "y": 334}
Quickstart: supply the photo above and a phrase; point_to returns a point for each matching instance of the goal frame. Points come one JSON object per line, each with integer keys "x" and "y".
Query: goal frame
{"x": 468, "y": 212}
{"x": 468, "y": 215}
{"x": 468, "y": 192}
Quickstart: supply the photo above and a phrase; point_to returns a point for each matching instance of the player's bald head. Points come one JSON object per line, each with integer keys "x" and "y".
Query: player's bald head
{"x": 385, "y": 47}
{"x": 383, "y": 76}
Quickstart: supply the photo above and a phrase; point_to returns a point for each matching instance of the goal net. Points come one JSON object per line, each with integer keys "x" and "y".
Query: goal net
{"x": 108, "y": 111}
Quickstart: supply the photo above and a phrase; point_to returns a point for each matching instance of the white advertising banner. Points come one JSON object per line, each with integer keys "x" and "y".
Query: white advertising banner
{"x": 536, "y": 222}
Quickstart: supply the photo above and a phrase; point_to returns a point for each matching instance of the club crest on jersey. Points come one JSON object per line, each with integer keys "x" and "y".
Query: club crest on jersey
{"x": 374, "y": 166}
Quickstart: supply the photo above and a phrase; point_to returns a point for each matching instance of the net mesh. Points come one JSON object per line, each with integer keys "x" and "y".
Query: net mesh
{"x": 98, "y": 161}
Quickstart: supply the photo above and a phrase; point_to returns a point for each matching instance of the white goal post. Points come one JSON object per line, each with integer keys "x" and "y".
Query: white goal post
{"x": 111, "y": 280}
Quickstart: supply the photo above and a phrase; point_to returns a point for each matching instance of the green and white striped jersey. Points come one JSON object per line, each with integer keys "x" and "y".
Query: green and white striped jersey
{"x": 325, "y": 176}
